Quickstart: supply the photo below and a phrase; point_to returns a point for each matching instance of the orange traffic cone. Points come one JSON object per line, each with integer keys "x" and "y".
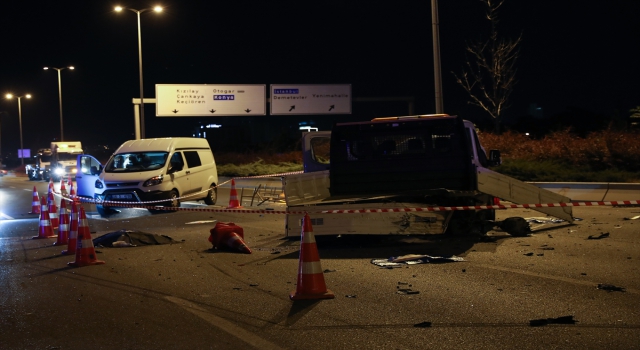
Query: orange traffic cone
{"x": 51, "y": 189}
{"x": 72, "y": 191}
{"x": 73, "y": 230}
{"x": 234, "y": 241}
{"x": 45, "y": 230}
{"x": 85, "y": 252}
{"x": 310, "y": 276}
{"x": 63, "y": 188}
{"x": 233, "y": 196}
{"x": 35, "y": 203}
{"x": 53, "y": 211}
{"x": 63, "y": 229}
{"x": 228, "y": 235}
{"x": 69, "y": 181}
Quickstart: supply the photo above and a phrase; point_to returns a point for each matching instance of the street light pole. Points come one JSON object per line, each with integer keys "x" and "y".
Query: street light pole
{"x": 140, "y": 70}
{"x": 9, "y": 96}
{"x": 138, "y": 12}
{"x": 437, "y": 71}
{"x": 60, "y": 96}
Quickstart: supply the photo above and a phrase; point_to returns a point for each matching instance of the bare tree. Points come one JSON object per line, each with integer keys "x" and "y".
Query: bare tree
{"x": 489, "y": 75}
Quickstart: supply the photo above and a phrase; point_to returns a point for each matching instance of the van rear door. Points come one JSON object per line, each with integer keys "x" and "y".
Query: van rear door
{"x": 89, "y": 169}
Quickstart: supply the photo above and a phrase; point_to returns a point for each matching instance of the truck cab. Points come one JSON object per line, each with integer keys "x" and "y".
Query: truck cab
{"x": 63, "y": 159}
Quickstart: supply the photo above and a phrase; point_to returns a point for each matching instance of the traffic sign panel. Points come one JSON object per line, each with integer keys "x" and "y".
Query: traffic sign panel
{"x": 310, "y": 99}
{"x": 210, "y": 100}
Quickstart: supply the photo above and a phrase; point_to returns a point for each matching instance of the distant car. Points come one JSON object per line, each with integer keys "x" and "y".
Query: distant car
{"x": 3, "y": 172}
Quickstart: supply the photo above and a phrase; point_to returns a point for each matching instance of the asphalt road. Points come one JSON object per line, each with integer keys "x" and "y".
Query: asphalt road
{"x": 564, "y": 287}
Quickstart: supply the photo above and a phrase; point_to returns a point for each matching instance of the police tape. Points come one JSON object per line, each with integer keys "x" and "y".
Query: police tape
{"x": 56, "y": 193}
{"x": 358, "y": 211}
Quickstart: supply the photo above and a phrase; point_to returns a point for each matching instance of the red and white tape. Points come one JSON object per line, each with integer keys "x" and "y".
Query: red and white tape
{"x": 362, "y": 211}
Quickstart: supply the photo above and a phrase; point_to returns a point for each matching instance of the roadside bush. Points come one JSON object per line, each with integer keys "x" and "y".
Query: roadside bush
{"x": 601, "y": 155}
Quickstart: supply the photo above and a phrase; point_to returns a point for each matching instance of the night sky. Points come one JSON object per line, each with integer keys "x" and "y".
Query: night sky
{"x": 581, "y": 55}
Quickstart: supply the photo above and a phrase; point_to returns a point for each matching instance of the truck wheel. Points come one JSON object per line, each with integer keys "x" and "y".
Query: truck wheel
{"x": 212, "y": 196}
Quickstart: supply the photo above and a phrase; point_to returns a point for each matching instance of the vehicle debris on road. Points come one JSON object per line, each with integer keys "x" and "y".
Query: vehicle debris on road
{"x": 413, "y": 259}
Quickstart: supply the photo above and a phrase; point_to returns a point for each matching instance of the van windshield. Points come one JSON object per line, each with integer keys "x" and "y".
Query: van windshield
{"x": 135, "y": 162}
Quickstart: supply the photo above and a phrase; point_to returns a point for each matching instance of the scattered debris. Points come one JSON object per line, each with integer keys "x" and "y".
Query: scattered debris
{"x": 425, "y": 324}
{"x": 127, "y": 238}
{"x": 407, "y": 291}
{"x": 350, "y": 296}
{"x": 557, "y": 320}
{"x": 515, "y": 226}
{"x": 413, "y": 259}
{"x": 200, "y": 222}
{"x": 633, "y": 218}
{"x": 602, "y": 235}
{"x": 528, "y": 254}
{"x": 545, "y": 221}
{"x": 610, "y": 288}
{"x": 327, "y": 271}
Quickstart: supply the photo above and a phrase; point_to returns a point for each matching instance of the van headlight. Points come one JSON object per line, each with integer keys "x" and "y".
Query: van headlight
{"x": 59, "y": 171}
{"x": 156, "y": 180}
{"x": 99, "y": 184}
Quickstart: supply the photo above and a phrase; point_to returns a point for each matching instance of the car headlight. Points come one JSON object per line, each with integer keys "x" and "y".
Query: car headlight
{"x": 99, "y": 184}
{"x": 156, "y": 180}
{"x": 59, "y": 171}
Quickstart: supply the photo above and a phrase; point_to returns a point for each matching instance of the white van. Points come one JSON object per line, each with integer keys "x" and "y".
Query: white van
{"x": 160, "y": 171}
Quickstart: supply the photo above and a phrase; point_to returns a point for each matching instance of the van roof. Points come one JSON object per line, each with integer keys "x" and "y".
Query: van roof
{"x": 167, "y": 144}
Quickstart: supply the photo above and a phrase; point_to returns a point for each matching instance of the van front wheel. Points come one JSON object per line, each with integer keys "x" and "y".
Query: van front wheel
{"x": 212, "y": 196}
{"x": 175, "y": 202}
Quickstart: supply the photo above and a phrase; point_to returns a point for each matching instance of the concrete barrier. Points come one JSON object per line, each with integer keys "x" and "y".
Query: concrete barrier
{"x": 593, "y": 191}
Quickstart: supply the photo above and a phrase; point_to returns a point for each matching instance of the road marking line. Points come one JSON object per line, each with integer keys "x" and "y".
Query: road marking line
{"x": 238, "y": 332}
{"x": 5, "y": 216}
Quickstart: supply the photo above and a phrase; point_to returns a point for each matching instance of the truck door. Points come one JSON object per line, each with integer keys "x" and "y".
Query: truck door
{"x": 315, "y": 151}
{"x": 89, "y": 169}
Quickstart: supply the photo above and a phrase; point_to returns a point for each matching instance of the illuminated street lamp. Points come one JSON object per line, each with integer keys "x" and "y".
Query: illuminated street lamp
{"x": 60, "y": 96}
{"x": 138, "y": 12}
{"x": 10, "y": 96}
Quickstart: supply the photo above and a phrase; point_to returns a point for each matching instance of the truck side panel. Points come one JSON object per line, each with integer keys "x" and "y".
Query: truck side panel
{"x": 519, "y": 192}
{"x": 391, "y": 223}
{"x": 306, "y": 188}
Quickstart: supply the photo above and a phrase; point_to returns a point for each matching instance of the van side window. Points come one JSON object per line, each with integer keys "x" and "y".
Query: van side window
{"x": 193, "y": 159}
{"x": 177, "y": 163}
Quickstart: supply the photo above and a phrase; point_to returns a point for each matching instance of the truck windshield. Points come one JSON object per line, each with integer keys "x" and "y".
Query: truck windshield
{"x": 45, "y": 159}
{"x": 67, "y": 156}
{"x": 135, "y": 162}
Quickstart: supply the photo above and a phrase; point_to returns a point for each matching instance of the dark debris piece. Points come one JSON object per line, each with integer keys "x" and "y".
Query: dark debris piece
{"x": 557, "y": 320}
{"x": 603, "y": 235}
{"x": 423, "y": 325}
{"x": 610, "y": 288}
{"x": 407, "y": 291}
